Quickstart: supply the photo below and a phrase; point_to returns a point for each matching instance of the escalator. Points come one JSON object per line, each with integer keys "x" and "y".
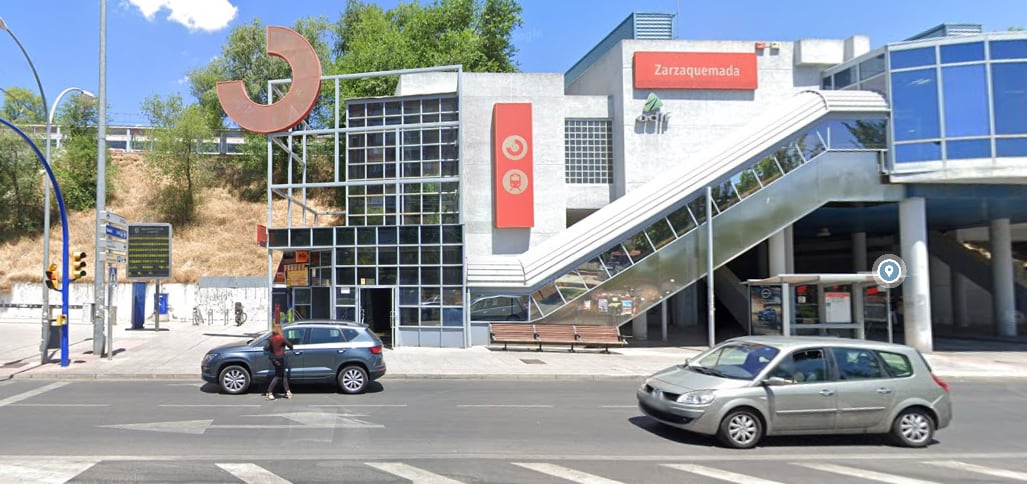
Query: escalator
{"x": 973, "y": 265}
{"x": 651, "y": 243}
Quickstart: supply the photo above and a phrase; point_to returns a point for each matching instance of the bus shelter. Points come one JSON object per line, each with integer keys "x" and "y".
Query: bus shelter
{"x": 849, "y": 305}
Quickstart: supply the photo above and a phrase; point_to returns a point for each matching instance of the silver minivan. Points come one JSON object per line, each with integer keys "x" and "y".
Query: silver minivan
{"x": 746, "y": 388}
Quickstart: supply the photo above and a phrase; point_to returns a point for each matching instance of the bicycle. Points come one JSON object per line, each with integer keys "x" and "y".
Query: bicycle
{"x": 197, "y": 316}
{"x": 240, "y": 315}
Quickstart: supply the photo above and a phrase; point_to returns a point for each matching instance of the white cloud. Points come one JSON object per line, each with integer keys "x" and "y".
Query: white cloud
{"x": 183, "y": 81}
{"x": 206, "y": 15}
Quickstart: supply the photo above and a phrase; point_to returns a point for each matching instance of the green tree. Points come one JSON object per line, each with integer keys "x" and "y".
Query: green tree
{"x": 21, "y": 201}
{"x": 177, "y": 161}
{"x": 75, "y": 161}
{"x": 22, "y": 106}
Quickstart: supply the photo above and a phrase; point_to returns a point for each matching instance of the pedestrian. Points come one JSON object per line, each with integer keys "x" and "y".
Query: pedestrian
{"x": 276, "y": 345}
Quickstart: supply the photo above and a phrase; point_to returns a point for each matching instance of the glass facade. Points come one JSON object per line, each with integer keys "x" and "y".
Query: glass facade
{"x": 588, "y": 151}
{"x": 958, "y": 101}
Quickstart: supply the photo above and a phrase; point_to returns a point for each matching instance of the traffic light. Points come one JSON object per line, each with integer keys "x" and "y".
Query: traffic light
{"x": 61, "y": 320}
{"x": 52, "y": 279}
{"x": 78, "y": 265}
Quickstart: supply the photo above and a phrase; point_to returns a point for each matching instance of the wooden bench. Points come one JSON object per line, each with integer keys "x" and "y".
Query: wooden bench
{"x": 556, "y": 334}
{"x": 513, "y": 333}
{"x": 604, "y": 336}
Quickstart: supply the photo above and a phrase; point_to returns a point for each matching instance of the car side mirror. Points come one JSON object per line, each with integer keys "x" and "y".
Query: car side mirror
{"x": 776, "y": 381}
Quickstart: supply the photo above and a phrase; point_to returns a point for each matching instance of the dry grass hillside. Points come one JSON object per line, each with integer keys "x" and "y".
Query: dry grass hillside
{"x": 221, "y": 243}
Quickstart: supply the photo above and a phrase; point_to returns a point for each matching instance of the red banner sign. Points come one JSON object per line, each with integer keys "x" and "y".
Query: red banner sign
{"x": 695, "y": 70}
{"x": 512, "y": 157}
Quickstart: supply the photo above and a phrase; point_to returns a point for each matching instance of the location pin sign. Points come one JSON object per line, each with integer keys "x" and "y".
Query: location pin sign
{"x": 888, "y": 270}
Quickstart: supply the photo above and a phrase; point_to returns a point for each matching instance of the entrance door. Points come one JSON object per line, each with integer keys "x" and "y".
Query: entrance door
{"x": 376, "y": 311}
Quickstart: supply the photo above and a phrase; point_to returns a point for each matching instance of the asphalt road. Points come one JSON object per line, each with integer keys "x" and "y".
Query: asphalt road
{"x": 457, "y": 431}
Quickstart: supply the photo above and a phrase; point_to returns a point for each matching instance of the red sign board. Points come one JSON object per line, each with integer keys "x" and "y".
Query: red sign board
{"x": 512, "y": 158}
{"x": 695, "y": 70}
{"x": 261, "y": 235}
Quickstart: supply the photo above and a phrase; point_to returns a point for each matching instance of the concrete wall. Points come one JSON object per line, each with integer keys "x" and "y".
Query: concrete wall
{"x": 181, "y": 299}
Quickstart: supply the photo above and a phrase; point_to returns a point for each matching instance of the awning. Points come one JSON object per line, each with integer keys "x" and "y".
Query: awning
{"x": 862, "y": 278}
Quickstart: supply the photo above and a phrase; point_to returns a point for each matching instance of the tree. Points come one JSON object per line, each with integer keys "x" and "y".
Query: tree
{"x": 179, "y": 131}
{"x": 21, "y": 203}
{"x": 22, "y": 106}
{"x": 75, "y": 165}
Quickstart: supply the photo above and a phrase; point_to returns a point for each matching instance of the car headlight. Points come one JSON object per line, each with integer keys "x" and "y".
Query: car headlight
{"x": 210, "y": 357}
{"x": 701, "y": 397}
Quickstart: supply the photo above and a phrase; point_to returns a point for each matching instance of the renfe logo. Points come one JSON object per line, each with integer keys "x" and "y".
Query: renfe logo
{"x": 695, "y": 70}
{"x": 514, "y": 199}
{"x": 297, "y": 103}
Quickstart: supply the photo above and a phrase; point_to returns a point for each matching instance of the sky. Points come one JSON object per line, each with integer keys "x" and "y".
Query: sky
{"x": 153, "y": 44}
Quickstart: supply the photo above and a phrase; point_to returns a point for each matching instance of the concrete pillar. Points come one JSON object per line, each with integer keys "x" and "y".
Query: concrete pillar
{"x": 859, "y": 264}
{"x": 960, "y": 286}
{"x": 777, "y": 255}
{"x": 1003, "y": 292}
{"x": 762, "y": 260}
{"x": 941, "y": 281}
{"x": 789, "y": 250}
{"x": 640, "y": 327}
{"x": 916, "y": 290}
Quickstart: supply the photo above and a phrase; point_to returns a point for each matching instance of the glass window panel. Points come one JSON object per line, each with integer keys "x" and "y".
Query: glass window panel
{"x": 431, "y": 235}
{"x": 592, "y": 273}
{"x": 724, "y": 195}
{"x": 915, "y": 104}
{"x": 745, "y": 183}
{"x": 877, "y": 84}
{"x": 571, "y": 286}
{"x": 871, "y": 67}
{"x": 345, "y": 275}
{"x": 811, "y": 145}
{"x": 660, "y": 233}
{"x": 387, "y": 235}
{"x": 963, "y": 149}
{"x": 788, "y": 157}
{"x": 431, "y": 316}
{"x": 452, "y": 275}
{"x": 367, "y": 275}
{"x": 1011, "y": 147}
{"x": 430, "y": 275}
{"x": 918, "y": 152}
{"x": 409, "y": 255}
{"x": 300, "y": 237}
{"x": 367, "y": 256}
{"x": 453, "y": 296}
{"x": 615, "y": 259}
{"x": 856, "y": 134}
{"x": 767, "y": 169}
{"x": 386, "y": 275}
{"x": 344, "y": 256}
{"x": 966, "y": 101}
{"x": 698, "y": 208}
{"x": 1009, "y": 49}
{"x": 409, "y": 235}
{"x": 826, "y": 83}
{"x": 638, "y": 247}
{"x": 409, "y": 295}
{"x": 408, "y": 316}
{"x": 348, "y": 313}
{"x": 962, "y": 52}
{"x": 345, "y": 296}
{"x": 843, "y": 78}
{"x": 387, "y": 255}
{"x": 323, "y": 237}
{"x": 1009, "y": 85}
{"x": 452, "y": 255}
{"x": 278, "y": 238}
{"x": 430, "y": 295}
{"x": 901, "y": 59}
{"x": 409, "y": 275}
{"x": 452, "y": 316}
{"x": 365, "y": 236}
{"x": 431, "y": 255}
{"x": 548, "y": 299}
{"x": 681, "y": 220}
{"x": 452, "y": 234}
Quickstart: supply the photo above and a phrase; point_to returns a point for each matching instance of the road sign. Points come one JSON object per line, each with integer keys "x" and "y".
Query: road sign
{"x": 112, "y": 275}
{"x": 114, "y": 219}
{"x": 115, "y": 246}
{"x": 149, "y": 252}
{"x": 116, "y": 232}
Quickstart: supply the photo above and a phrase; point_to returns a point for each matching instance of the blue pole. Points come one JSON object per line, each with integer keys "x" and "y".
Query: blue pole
{"x": 64, "y": 235}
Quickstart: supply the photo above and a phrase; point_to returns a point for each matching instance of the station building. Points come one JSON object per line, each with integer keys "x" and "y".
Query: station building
{"x": 581, "y": 197}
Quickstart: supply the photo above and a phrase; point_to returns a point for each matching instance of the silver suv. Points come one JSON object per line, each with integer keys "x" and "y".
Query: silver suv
{"x": 748, "y": 387}
{"x": 343, "y": 353}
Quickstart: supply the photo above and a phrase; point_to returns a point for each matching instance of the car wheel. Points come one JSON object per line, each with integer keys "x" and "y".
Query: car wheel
{"x": 913, "y": 427}
{"x": 741, "y": 429}
{"x": 234, "y": 379}
{"x": 352, "y": 379}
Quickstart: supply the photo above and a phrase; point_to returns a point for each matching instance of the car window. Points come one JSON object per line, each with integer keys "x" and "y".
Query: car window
{"x": 898, "y": 365}
{"x": 740, "y": 361}
{"x": 324, "y": 335}
{"x": 294, "y": 335}
{"x": 802, "y": 366}
{"x": 857, "y": 364}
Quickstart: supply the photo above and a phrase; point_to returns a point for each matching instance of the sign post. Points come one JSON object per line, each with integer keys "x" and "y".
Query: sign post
{"x": 114, "y": 247}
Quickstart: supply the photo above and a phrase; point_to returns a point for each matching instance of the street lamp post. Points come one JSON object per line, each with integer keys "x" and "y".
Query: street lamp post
{"x": 46, "y": 216}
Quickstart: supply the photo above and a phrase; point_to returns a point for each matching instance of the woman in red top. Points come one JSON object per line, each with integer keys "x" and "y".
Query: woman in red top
{"x": 277, "y": 344}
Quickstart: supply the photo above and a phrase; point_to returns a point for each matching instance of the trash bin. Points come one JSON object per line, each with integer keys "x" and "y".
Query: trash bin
{"x": 55, "y": 338}
{"x": 162, "y": 305}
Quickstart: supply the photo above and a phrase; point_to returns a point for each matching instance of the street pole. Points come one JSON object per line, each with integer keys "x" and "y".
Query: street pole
{"x": 46, "y": 217}
{"x": 710, "y": 301}
{"x": 101, "y": 186}
{"x": 46, "y": 224}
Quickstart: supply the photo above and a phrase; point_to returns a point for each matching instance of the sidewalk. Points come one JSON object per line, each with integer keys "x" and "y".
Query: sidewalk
{"x": 175, "y": 353}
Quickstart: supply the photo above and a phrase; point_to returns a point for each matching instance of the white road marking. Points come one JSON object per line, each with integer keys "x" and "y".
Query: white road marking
{"x": 252, "y": 474}
{"x": 720, "y": 474}
{"x": 505, "y": 406}
{"x": 618, "y": 406}
{"x": 963, "y": 466}
{"x": 417, "y": 476}
{"x": 565, "y": 473}
{"x": 212, "y": 405}
{"x": 864, "y": 474}
{"x": 57, "y": 470}
{"x": 59, "y": 405}
{"x": 344, "y": 405}
{"x": 31, "y": 393}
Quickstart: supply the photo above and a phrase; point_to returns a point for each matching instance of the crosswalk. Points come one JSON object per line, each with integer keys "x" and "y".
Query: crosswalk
{"x": 456, "y": 471}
